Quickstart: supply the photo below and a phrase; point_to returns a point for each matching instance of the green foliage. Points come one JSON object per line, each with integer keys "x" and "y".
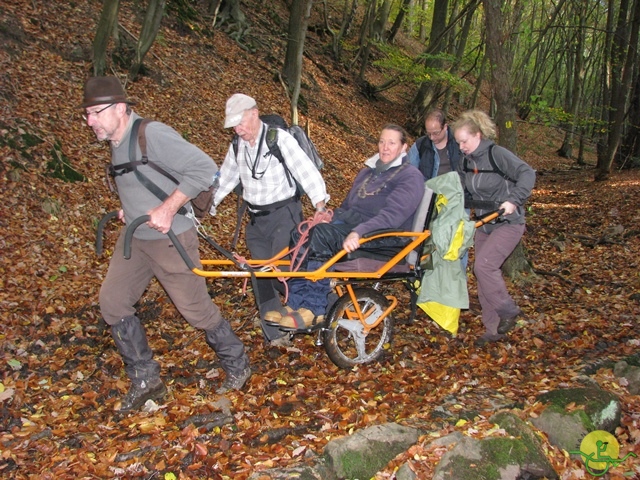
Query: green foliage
{"x": 542, "y": 112}
{"x": 410, "y": 70}
{"x": 418, "y": 16}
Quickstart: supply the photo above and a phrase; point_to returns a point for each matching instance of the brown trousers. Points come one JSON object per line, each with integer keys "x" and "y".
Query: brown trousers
{"x": 127, "y": 280}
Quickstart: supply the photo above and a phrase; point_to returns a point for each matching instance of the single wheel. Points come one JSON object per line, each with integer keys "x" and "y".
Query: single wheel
{"x": 344, "y": 339}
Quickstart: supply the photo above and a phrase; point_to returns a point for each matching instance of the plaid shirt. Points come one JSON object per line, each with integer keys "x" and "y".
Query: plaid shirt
{"x": 263, "y": 178}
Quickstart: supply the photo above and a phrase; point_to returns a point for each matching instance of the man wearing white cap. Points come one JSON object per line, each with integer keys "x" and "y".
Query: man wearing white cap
{"x": 273, "y": 203}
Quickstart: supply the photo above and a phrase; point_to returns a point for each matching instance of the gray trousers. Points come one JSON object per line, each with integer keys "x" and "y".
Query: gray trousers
{"x": 491, "y": 250}
{"x": 127, "y": 280}
{"x": 265, "y": 237}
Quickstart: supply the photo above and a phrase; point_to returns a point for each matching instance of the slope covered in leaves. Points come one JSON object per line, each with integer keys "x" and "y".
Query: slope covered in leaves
{"x": 61, "y": 375}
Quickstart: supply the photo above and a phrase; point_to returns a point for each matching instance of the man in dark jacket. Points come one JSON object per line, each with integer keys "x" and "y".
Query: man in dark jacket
{"x": 437, "y": 152}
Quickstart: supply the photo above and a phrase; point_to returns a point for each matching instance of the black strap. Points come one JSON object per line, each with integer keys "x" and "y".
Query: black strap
{"x": 274, "y": 149}
{"x": 142, "y": 178}
{"x": 242, "y": 207}
{"x": 494, "y": 166}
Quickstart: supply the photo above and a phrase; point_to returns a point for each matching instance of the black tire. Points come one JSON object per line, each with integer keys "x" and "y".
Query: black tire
{"x": 340, "y": 341}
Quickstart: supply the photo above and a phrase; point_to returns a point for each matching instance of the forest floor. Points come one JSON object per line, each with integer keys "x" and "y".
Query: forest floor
{"x": 61, "y": 375}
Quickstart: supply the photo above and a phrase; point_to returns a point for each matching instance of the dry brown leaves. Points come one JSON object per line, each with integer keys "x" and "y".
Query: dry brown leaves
{"x": 62, "y": 376}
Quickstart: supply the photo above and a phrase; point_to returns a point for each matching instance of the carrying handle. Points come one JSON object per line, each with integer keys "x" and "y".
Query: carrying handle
{"x": 128, "y": 236}
{"x": 100, "y": 230}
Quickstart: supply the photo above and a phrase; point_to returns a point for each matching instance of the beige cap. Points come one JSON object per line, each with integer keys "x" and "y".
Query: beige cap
{"x": 236, "y": 106}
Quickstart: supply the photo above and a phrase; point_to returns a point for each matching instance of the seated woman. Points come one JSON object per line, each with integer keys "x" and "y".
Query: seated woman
{"x": 384, "y": 195}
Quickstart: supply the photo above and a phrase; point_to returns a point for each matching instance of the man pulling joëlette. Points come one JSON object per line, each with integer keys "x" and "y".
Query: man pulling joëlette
{"x": 108, "y": 112}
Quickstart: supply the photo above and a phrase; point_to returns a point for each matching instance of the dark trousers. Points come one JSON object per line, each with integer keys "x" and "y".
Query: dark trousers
{"x": 265, "y": 237}
{"x": 325, "y": 240}
{"x": 127, "y": 280}
{"x": 491, "y": 250}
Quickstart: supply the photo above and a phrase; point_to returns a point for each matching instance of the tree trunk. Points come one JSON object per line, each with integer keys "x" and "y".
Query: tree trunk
{"x": 479, "y": 80}
{"x": 377, "y": 31}
{"x": 605, "y": 79}
{"x": 233, "y": 19}
{"x": 566, "y": 150}
{"x": 422, "y": 36}
{"x": 517, "y": 265}
{"x": 148, "y": 34}
{"x": 460, "y": 49}
{"x": 395, "y": 28}
{"x": 365, "y": 38}
{"x": 631, "y": 143}
{"x": 580, "y": 160}
{"x": 106, "y": 26}
{"x": 500, "y": 53}
{"x": 348, "y": 14}
{"x": 620, "y": 95}
{"x": 299, "y": 14}
{"x": 424, "y": 97}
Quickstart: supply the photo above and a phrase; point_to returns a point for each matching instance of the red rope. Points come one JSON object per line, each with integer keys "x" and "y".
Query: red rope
{"x": 303, "y": 227}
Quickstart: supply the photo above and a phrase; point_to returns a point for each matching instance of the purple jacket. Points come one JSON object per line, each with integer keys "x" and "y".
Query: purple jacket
{"x": 386, "y": 200}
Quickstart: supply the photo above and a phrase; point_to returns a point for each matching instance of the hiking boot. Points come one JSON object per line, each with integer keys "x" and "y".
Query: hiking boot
{"x": 508, "y": 324}
{"x": 486, "y": 339}
{"x": 235, "y": 382}
{"x": 140, "y": 392}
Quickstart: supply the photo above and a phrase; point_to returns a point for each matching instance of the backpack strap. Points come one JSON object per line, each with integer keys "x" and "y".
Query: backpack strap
{"x": 138, "y": 137}
{"x": 494, "y": 167}
{"x": 274, "y": 149}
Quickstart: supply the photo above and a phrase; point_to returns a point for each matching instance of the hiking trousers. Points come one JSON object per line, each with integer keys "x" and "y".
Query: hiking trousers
{"x": 324, "y": 241}
{"x": 491, "y": 251}
{"x": 127, "y": 280}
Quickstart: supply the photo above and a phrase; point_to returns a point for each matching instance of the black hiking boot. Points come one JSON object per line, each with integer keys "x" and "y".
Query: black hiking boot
{"x": 140, "y": 392}
{"x": 508, "y": 324}
{"x": 234, "y": 382}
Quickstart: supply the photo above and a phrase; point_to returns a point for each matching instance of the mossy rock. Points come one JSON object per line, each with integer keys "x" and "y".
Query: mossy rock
{"x": 361, "y": 455}
{"x": 602, "y": 409}
{"x": 498, "y": 457}
{"x": 572, "y": 413}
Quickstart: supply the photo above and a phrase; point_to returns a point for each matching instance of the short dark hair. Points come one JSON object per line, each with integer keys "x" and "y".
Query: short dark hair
{"x": 403, "y": 133}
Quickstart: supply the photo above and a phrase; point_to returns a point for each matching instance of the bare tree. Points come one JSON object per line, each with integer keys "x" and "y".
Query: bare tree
{"x": 299, "y": 14}
{"x": 397, "y": 23}
{"x": 150, "y": 27}
{"x": 577, "y": 65}
{"x": 424, "y": 97}
{"x": 107, "y": 27}
{"x": 625, "y": 54}
{"x": 500, "y": 53}
{"x": 348, "y": 14}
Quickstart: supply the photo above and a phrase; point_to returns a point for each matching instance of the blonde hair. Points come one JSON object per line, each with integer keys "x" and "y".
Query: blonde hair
{"x": 476, "y": 121}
